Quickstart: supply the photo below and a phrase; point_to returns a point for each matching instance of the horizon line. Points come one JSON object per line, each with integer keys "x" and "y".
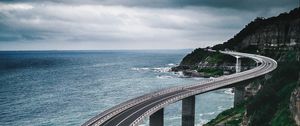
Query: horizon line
{"x": 95, "y": 49}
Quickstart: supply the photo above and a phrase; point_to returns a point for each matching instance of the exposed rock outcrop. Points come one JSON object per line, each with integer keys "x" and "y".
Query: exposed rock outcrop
{"x": 271, "y": 102}
{"x": 295, "y": 104}
{"x": 246, "y": 120}
{"x": 280, "y": 36}
{"x": 272, "y": 37}
{"x": 252, "y": 88}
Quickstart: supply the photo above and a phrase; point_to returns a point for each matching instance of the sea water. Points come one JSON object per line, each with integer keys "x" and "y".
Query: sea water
{"x": 66, "y": 88}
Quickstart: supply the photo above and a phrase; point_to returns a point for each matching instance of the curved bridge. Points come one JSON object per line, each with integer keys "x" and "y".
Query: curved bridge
{"x": 134, "y": 111}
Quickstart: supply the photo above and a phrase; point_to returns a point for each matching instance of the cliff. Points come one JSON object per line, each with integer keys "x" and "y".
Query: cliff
{"x": 271, "y": 102}
{"x": 270, "y": 37}
{"x": 295, "y": 104}
{"x": 202, "y": 63}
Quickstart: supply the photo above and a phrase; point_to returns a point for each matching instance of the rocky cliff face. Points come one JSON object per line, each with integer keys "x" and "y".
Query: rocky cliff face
{"x": 281, "y": 36}
{"x": 272, "y": 37}
{"x": 202, "y": 63}
{"x": 295, "y": 104}
{"x": 273, "y": 101}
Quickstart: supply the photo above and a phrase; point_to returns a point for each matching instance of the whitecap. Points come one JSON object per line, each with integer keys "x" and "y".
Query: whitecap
{"x": 221, "y": 108}
{"x": 210, "y": 113}
{"x": 140, "y": 69}
{"x": 174, "y": 118}
{"x": 229, "y": 91}
{"x": 171, "y": 64}
{"x": 197, "y": 78}
{"x": 164, "y": 76}
{"x": 161, "y": 69}
{"x": 201, "y": 122}
{"x": 155, "y": 69}
{"x": 180, "y": 74}
{"x": 135, "y": 68}
{"x": 103, "y": 64}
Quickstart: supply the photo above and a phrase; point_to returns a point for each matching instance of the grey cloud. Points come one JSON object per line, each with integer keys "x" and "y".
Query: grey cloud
{"x": 233, "y": 4}
{"x": 129, "y": 24}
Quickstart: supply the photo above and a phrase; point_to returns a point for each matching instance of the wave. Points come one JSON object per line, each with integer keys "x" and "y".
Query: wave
{"x": 201, "y": 122}
{"x": 155, "y": 69}
{"x": 162, "y": 69}
{"x": 174, "y": 118}
{"x": 204, "y": 121}
{"x": 229, "y": 91}
{"x": 166, "y": 72}
{"x": 198, "y": 78}
{"x": 140, "y": 69}
{"x": 221, "y": 108}
{"x": 164, "y": 76}
{"x": 172, "y": 64}
{"x": 103, "y": 64}
{"x": 180, "y": 74}
{"x": 210, "y": 113}
{"x": 207, "y": 114}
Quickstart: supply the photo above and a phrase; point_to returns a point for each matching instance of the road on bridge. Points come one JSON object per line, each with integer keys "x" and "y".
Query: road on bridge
{"x": 135, "y": 110}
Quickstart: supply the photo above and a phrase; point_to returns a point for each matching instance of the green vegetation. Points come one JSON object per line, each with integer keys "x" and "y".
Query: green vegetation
{"x": 215, "y": 58}
{"x": 270, "y": 106}
{"x": 232, "y": 117}
{"x": 211, "y": 71}
{"x": 198, "y": 55}
{"x": 271, "y": 102}
{"x": 211, "y": 63}
{"x": 252, "y": 27}
{"x": 283, "y": 117}
{"x": 195, "y": 57}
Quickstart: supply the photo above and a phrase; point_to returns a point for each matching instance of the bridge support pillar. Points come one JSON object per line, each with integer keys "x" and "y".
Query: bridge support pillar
{"x": 238, "y": 90}
{"x": 239, "y": 93}
{"x": 238, "y": 64}
{"x": 188, "y": 111}
{"x": 157, "y": 119}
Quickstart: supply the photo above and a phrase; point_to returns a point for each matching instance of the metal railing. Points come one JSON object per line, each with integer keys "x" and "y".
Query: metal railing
{"x": 267, "y": 65}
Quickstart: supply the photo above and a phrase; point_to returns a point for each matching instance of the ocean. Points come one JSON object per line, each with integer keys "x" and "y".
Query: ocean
{"x": 66, "y": 88}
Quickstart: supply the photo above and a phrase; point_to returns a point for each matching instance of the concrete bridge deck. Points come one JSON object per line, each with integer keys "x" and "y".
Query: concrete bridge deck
{"x": 133, "y": 112}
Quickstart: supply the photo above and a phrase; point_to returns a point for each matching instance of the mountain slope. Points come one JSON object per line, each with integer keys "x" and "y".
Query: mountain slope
{"x": 277, "y": 37}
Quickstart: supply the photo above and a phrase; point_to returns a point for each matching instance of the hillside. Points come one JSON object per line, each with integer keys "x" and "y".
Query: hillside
{"x": 271, "y": 37}
{"x": 273, "y": 104}
{"x": 205, "y": 64}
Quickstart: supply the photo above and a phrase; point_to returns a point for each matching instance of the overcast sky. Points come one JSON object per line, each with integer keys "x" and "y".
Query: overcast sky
{"x": 127, "y": 24}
